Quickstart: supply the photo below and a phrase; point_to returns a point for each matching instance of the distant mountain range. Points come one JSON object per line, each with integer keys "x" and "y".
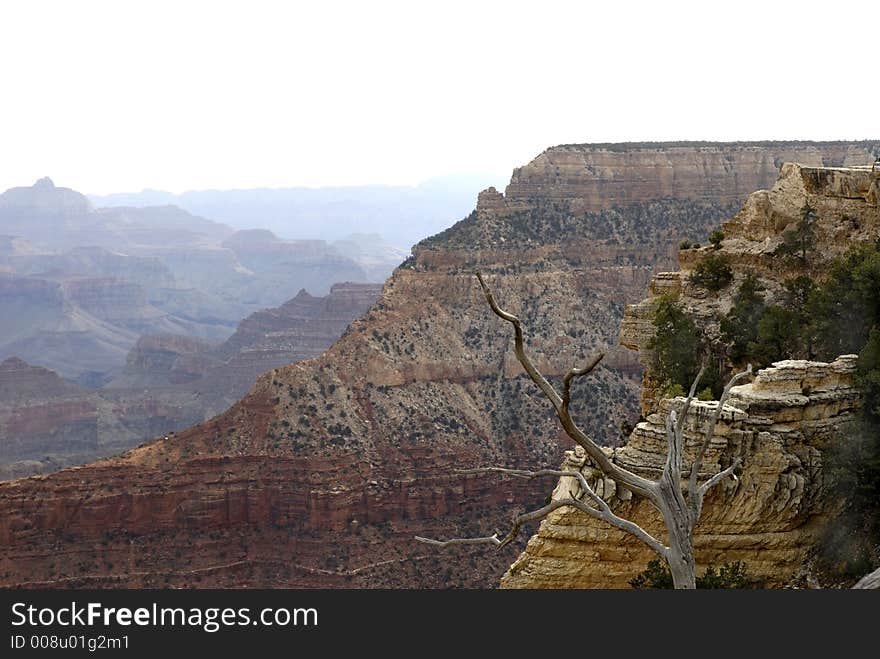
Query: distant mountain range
{"x": 402, "y": 215}
{"x": 79, "y": 285}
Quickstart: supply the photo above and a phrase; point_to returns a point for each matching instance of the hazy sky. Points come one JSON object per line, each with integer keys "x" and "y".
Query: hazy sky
{"x": 119, "y": 96}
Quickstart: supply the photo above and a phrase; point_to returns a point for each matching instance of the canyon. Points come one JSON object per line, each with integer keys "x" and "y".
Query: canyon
{"x": 92, "y": 294}
{"x": 322, "y": 474}
{"x": 169, "y": 382}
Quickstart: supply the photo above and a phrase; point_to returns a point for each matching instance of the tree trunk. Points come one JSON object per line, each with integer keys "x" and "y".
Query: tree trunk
{"x": 681, "y": 565}
{"x": 676, "y": 515}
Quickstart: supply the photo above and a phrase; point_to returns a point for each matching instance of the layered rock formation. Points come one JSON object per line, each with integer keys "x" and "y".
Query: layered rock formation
{"x": 845, "y": 201}
{"x": 301, "y": 328}
{"x": 778, "y": 424}
{"x": 47, "y": 423}
{"x": 169, "y": 382}
{"x": 618, "y": 175}
{"x": 325, "y": 471}
{"x": 769, "y": 518}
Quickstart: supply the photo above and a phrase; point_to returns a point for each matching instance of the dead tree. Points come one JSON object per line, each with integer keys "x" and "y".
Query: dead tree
{"x": 680, "y": 504}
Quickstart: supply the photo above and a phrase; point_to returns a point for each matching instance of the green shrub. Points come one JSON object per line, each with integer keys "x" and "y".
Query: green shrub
{"x": 845, "y": 312}
{"x": 800, "y": 241}
{"x": 797, "y": 292}
{"x": 674, "y": 346}
{"x": 673, "y": 390}
{"x": 716, "y": 237}
{"x": 657, "y": 575}
{"x": 685, "y": 244}
{"x": 739, "y": 327}
{"x": 777, "y": 336}
{"x": 729, "y": 575}
{"x": 712, "y": 273}
{"x": 846, "y": 305}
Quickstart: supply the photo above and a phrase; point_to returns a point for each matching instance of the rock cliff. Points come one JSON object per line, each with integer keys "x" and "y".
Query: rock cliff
{"x": 769, "y": 519}
{"x": 778, "y": 424}
{"x": 617, "y": 175}
{"x": 846, "y": 205}
{"x": 325, "y": 471}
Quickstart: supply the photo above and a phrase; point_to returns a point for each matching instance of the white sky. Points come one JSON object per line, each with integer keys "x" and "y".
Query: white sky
{"x": 120, "y": 95}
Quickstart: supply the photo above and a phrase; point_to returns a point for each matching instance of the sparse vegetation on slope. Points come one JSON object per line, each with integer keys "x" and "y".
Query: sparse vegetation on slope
{"x": 663, "y": 221}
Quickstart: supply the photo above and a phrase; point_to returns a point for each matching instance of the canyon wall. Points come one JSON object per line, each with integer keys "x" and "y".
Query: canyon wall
{"x": 617, "y": 175}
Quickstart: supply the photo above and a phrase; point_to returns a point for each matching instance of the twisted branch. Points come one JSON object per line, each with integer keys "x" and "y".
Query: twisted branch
{"x": 576, "y": 373}
{"x": 675, "y": 434}
{"x": 487, "y": 540}
{"x": 665, "y": 494}
{"x": 635, "y": 483}
{"x": 603, "y": 512}
{"x": 717, "y": 478}
{"x": 710, "y": 430}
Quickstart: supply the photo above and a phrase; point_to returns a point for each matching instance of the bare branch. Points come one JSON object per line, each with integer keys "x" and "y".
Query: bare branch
{"x": 721, "y": 475}
{"x": 603, "y": 512}
{"x": 576, "y": 373}
{"x": 519, "y": 346}
{"x": 635, "y": 483}
{"x": 518, "y": 521}
{"x": 671, "y": 423}
{"x": 521, "y": 473}
{"x": 622, "y": 524}
{"x": 687, "y": 402}
{"x": 675, "y": 435}
{"x": 710, "y": 430}
{"x": 488, "y": 540}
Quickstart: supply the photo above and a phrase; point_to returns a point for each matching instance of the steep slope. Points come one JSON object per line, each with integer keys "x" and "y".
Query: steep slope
{"x": 323, "y": 473}
{"x": 299, "y": 329}
{"x": 773, "y": 516}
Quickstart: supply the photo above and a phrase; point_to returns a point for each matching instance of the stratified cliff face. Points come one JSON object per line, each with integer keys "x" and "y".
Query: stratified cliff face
{"x": 110, "y": 275}
{"x": 325, "y": 471}
{"x": 599, "y": 176}
{"x": 39, "y": 411}
{"x": 301, "y": 328}
{"x": 771, "y": 518}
